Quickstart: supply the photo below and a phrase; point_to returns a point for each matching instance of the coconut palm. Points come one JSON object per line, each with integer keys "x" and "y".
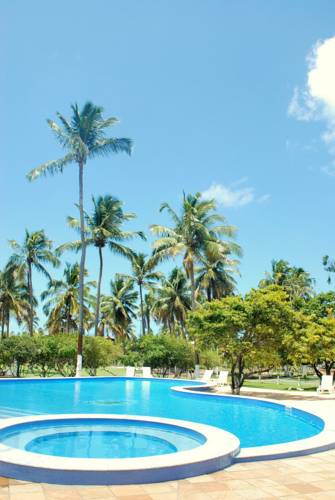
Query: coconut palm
{"x": 119, "y": 309}
{"x": 295, "y": 280}
{"x": 144, "y": 275}
{"x": 14, "y": 298}
{"x": 61, "y": 301}
{"x": 104, "y": 227}
{"x": 83, "y": 138}
{"x": 216, "y": 276}
{"x": 35, "y": 251}
{"x": 196, "y": 230}
{"x": 172, "y": 301}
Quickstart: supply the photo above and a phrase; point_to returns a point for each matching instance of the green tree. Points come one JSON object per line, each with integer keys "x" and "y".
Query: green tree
{"x": 144, "y": 275}
{"x": 14, "y": 298}
{"x": 33, "y": 253}
{"x": 61, "y": 301}
{"x": 197, "y": 230}
{"x": 248, "y": 331}
{"x": 172, "y": 300}
{"x": 119, "y": 309}
{"x": 297, "y": 283}
{"x": 104, "y": 227}
{"x": 100, "y": 353}
{"x": 329, "y": 266}
{"x": 83, "y": 138}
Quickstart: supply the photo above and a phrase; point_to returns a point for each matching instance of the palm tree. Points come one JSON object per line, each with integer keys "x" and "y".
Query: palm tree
{"x": 104, "y": 227}
{"x": 119, "y": 308}
{"x": 143, "y": 275}
{"x": 34, "y": 253}
{"x": 14, "y": 297}
{"x": 216, "y": 276}
{"x": 172, "y": 301}
{"x": 83, "y": 138}
{"x": 195, "y": 231}
{"x": 62, "y": 301}
{"x": 295, "y": 280}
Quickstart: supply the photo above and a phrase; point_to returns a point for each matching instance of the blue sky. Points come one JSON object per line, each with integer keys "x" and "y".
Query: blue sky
{"x": 203, "y": 88}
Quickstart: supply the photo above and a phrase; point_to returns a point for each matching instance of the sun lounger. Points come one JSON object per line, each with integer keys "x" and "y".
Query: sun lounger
{"x": 222, "y": 378}
{"x": 326, "y": 384}
{"x": 130, "y": 371}
{"x": 207, "y": 376}
{"x": 146, "y": 372}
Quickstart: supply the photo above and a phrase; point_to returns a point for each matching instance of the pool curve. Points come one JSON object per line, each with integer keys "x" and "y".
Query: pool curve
{"x": 254, "y": 422}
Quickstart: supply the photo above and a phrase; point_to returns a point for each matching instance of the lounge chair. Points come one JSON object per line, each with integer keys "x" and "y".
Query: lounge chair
{"x": 207, "y": 376}
{"x": 130, "y": 371}
{"x": 326, "y": 384}
{"x": 222, "y": 378}
{"x": 146, "y": 372}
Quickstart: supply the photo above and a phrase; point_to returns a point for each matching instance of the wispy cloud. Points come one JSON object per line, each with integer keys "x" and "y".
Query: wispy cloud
{"x": 316, "y": 100}
{"x": 234, "y": 195}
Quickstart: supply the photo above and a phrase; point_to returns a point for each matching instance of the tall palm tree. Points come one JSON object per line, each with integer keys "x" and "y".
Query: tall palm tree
{"x": 119, "y": 309}
{"x": 14, "y": 298}
{"x": 83, "y": 138}
{"x": 196, "y": 230}
{"x": 172, "y": 301}
{"x": 33, "y": 253}
{"x": 104, "y": 227}
{"x": 144, "y": 275}
{"x": 61, "y": 301}
{"x": 216, "y": 276}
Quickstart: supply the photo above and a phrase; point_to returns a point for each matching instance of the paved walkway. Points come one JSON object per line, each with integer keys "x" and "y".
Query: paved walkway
{"x": 312, "y": 476}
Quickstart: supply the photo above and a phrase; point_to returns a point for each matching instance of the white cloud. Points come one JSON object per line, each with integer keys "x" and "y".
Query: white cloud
{"x": 233, "y": 196}
{"x": 316, "y": 100}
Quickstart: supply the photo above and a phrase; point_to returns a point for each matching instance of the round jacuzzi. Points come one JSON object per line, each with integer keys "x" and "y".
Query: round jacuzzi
{"x": 114, "y": 449}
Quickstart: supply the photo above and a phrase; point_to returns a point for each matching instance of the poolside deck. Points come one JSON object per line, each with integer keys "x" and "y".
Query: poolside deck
{"x": 312, "y": 476}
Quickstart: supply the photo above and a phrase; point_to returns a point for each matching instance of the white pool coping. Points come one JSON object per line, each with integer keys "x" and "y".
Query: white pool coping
{"x": 323, "y": 441}
{"x": 217, "y": 452}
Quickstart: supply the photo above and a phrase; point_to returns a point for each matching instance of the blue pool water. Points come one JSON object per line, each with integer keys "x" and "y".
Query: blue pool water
{"x": 255, "y": 423}
{"x": 96, "y": 438}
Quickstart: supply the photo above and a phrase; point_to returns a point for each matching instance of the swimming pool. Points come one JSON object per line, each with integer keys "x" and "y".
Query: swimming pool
{"x": 254, "y": 422}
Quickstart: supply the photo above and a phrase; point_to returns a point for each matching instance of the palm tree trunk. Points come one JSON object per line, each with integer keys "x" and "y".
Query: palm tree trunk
{"x": 191, "y": 271}
{"x": 8, "y": 319}
{"x": 142, "y": 310}
{"x": 31, "y": 306}
{"x": 2, "y": 323}
{"x": 97, "y": 309}
{"x": 81, "y": 332}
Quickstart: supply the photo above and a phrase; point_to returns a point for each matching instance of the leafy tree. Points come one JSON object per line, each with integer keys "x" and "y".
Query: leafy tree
{"x": 143, "y": 275}
{"x": 104, "y": 227}
{"x": 196, "y": 230}
{"x": 100, "y": 353}
{"x": 172, "y": 300}
{"x": 312, "y": 340}
{"x": 62, "y": 301}
{"x": 210, "y": 358}
{"x": 83, "y": 138}
{"x": 119, "y": 308}
{"x": 14, "y": 298}
{"x": 44, "y": 354}
{"x": 20, "y": 352}
{"x": 248, "y": 331}
{"x": 296, "y": 282}
{"x": 161, "y": 352}
{"x": 34, "y": 253}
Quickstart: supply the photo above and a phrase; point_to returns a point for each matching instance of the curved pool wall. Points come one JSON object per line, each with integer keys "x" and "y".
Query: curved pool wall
{"x": 256, "y": 423}
{"x": 216, "y": 451}
{"x": 100, "y": 437}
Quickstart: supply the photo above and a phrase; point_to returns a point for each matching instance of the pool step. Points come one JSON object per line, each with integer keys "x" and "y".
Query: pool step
{"x": 8, "y": 412}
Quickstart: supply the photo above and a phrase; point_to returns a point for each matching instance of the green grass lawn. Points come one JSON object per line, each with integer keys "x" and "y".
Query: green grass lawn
{"x": 309, "y": 384}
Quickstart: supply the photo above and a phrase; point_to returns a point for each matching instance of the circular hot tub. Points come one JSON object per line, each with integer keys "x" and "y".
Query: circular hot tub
{"x": 114, "y": 449}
